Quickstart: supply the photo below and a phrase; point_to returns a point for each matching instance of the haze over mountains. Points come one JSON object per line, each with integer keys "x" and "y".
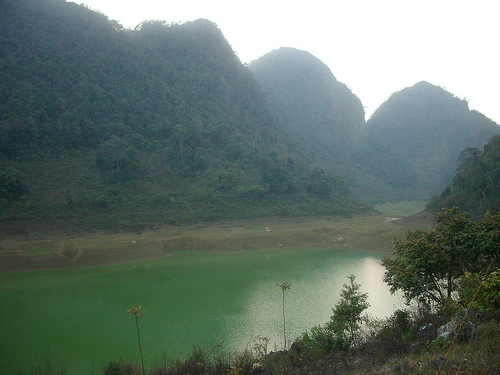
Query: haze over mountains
{"x": 164, "y": 121}
{"x": 408, "y": 149}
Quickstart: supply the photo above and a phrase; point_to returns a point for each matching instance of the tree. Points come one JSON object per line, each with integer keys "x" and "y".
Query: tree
{"x": 427, "y": 265}
{"x": 317, "y": 181}
{"x": 118, "y": 157}
{"x": 481, "y": 292}
{"x": 285, "y": 286}
{"x": 346, "y": 320}
{"x": 11, "y": 185}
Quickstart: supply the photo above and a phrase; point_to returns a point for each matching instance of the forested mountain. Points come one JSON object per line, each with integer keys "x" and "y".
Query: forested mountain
{"x": 407, "y": 150}
{"x": 113, "y": 128}
{"x": 312, "y": 104}
{"x": 107, "y": 127}
{"x": 476, "y": 185}
{"x": 414, "y": 139}
{"x": 71, "y": 78}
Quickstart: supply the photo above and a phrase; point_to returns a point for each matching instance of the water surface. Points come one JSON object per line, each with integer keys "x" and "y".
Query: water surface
{"x": 78, "y": 316}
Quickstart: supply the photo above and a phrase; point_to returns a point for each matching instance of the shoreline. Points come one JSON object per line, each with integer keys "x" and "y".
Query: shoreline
{"x": 46, "y": 251}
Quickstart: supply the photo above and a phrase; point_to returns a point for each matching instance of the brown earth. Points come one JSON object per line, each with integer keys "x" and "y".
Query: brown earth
{"x": 41, "y": 249}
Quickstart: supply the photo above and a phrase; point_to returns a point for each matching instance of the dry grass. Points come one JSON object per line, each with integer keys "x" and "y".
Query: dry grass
{"x": 48, "y": 250}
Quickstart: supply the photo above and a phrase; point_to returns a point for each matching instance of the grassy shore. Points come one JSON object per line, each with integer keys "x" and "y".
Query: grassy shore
{"x": 372, "y": 231}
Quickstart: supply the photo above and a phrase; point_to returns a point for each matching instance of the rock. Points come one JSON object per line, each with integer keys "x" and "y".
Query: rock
{"x": 446, "y": 335}
{"x": 447, "y": 330}
{"x": 466, "y": 332}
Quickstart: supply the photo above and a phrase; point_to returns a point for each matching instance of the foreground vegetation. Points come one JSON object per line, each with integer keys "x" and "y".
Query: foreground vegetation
{"x": 406, "y": 342}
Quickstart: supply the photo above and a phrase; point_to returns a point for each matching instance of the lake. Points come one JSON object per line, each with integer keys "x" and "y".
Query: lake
{"x": 78, "y": 316}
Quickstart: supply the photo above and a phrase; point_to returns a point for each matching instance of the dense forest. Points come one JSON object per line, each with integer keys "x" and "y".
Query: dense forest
{"x": 71, "y": 79}
{"x": 312, "y": 105}
{"x": 476, "y": 185}
{"x": 107, "y": 127}
{"x": 162, "y": 122}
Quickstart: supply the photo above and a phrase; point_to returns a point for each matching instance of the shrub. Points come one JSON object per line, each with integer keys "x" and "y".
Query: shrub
{"x": 11, "y": 185}
{"x": 481, "y": 293}
{"x": 119, "y": 367}
{"x": 346, "y": 320}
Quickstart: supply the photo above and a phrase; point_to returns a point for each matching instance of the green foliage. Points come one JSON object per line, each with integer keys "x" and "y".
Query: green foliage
{"x": 477, "y": 180}
{"x": 317, "y": 343}
{"x": 159, "y": 111}
{"x": 347, "y": 317}
{"x": 428, "y": 265}
{"x": 313, "y": 106}
{"x": 439, "y": 344}
{"x": 74, "y": 79}
{"x": 12, "y": 186}
{"x": 116, "y": 156}
{"x": 342, "y": 332}
{"x": 252, "y": 191}
{"x": 396, "y": 331}
{"x": 481, "y": 292}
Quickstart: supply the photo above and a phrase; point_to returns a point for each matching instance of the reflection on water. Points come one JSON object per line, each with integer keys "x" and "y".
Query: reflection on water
{"x": 316, "y": 285}
{"x": 370, "y": 276}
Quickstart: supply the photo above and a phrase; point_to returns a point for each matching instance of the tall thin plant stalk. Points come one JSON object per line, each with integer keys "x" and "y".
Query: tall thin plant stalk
{"x": 137, "y": 312}
{"x": 285, "y": 286}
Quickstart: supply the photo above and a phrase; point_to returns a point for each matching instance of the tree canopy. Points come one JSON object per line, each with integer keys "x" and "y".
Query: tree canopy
{"x": 426, "y": 266}
{"x": 476, "y": 185}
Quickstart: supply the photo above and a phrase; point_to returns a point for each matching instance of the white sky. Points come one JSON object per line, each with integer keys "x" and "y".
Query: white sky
{"x": 375, "y": 47}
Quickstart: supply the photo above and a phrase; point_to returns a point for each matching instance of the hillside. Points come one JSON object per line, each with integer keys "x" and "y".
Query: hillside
{"x": 421, "y": 130}
{"x": 104, "y": 127}
{"x": 109, "y": 128}
{"x": 476, "y": 181}
{"x": 71, "y": 79}
{"x": 312, "y": 104}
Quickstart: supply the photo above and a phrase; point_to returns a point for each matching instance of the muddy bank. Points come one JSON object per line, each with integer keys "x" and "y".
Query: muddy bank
{"x": 42, "y": 250}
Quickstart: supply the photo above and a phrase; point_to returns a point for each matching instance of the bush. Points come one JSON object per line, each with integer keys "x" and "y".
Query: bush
{"x": 11, "y": 185}
{"x": 481, "y": 293}
{"x": 314, "y": 345}
{"x": 119, "y": 367}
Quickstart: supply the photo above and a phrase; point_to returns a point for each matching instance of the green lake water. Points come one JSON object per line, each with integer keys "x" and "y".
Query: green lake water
{"x": 78, "y": 316}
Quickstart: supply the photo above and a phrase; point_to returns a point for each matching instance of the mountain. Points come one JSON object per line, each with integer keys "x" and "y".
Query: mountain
{"x": 111, "y": 128}
{"x": 407, "y": 150}
{"x": 312, "y": 104}
{"x": 71, "y": 78}
{"x": 420, "y": 131}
